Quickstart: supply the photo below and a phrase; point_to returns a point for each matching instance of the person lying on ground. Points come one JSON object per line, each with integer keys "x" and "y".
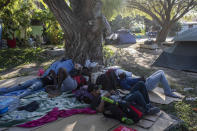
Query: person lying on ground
{"x": 48, "y": 78}
{"x": 62, "y": 83}
{"x": 100, "y": 105}
{"x": 66, "y": 64}
{"x": 127, "y": 82}
{"x": 81, "y": 75}
{"x": 31, "y": 85}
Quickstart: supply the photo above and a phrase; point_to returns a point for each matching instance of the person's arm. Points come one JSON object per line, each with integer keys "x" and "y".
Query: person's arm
{"x": 100, "y": 107}
{"x": 133, "y": 81}
{"x": 124, "y": 84}
{"x": 53, "y": 75}
{"x": 51, "y": 67}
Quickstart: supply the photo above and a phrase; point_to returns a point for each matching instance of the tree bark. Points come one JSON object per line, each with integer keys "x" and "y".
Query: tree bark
{"x": 163, "y": 33}
{"x": 82, "y": 24}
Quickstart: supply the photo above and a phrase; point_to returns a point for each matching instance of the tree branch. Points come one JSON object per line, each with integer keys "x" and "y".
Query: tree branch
{"x": 189, "y": 7}
{"x": 139, "y": 6}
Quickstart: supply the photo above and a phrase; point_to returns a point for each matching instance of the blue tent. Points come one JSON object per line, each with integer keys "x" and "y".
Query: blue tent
{"x": 125, "y": 37}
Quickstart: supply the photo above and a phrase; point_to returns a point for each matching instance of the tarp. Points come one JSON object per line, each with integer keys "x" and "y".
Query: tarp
{"x": 188, "y": 35}
{"x": 182, "y": 56}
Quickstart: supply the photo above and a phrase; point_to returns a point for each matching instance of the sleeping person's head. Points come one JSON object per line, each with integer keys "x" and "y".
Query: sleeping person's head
{"x": 94, "y": 90}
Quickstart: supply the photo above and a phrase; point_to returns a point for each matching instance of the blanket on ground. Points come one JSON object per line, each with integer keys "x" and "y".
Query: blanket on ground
{"x": 54, "y": 114}
{"x": 18, "y": 92}
{"x": 65, "y": 101}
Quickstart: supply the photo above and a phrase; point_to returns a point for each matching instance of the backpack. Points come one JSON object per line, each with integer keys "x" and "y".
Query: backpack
{"x": 123, "y": 110}
{"x": 108, "y": 80}
{"x": 80, "y": 80}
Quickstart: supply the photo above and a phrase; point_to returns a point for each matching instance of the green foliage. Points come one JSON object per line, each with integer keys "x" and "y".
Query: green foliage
{"x": 53, "y": 30}
{"x": 10, "y": 58}
{"x": 107, "y": 52}
{"x": 185, "y": 113}
{"x": 133, "y": 23}
{"x": 183, "y": 109}
{"x": 111, "y": 8}
{"x": 16, "y": 15}
{"x": 120, "y": 22}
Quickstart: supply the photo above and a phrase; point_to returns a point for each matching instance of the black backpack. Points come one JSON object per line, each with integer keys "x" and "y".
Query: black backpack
{"x": 108, "y": 80}
{"x": 123, "y": 110}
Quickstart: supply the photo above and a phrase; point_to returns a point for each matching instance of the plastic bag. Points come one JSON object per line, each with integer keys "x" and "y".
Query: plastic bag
{"x": 40, "y": 72}
{"x": 8, "y": 104}
{"x": 89, "y": 64}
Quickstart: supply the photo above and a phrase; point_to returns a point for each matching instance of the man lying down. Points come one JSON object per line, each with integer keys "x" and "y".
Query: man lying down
{"x": 127, "y": 109}
{"x": 56, "y": 76}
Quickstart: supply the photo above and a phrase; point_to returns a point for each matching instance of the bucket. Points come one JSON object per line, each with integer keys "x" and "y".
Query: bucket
{"x": 11, "y": 43}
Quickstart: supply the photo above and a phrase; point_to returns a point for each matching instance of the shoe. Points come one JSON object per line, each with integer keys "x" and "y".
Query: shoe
{"x": 127, "y": 121}
{"x": 149, "y": 105}
{"x": 153, "y": 110}
{"x": 173, "y": 95}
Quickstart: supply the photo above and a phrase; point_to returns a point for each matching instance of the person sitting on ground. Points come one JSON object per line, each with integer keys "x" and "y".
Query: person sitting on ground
{"x": 100, "y": 105}
{"x": 31, "y": 85}
{"x": 127, "y": 82}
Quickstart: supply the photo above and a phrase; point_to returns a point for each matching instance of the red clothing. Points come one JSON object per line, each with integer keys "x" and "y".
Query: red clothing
{"x": 54, "y": 114}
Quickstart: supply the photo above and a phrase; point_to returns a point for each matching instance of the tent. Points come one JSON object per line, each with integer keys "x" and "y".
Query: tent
{"x": 183, "y": 54}
{"x": 125, "y": 37}
{"x": 188, "y": 35}
{"x": 121, "y": 36}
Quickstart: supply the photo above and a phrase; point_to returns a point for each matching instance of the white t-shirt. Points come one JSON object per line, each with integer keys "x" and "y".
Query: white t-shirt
{"x": 120, "y": 71}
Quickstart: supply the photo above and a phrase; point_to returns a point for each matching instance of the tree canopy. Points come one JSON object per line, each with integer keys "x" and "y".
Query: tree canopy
{"x": 164, "y": 12}
{"x": 111, "y": 8}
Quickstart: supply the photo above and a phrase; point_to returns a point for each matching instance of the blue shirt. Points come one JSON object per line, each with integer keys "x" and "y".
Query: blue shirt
{"x": 67, "y": 64}
{"x": 128, "y": 82}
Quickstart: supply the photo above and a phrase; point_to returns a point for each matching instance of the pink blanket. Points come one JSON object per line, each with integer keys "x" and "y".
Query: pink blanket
{"x": 54, "y": 114}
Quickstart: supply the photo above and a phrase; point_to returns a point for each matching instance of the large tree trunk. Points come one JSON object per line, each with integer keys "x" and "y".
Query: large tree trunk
{"x": 163, "y": 33}
{"x": 82, "y": 24}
